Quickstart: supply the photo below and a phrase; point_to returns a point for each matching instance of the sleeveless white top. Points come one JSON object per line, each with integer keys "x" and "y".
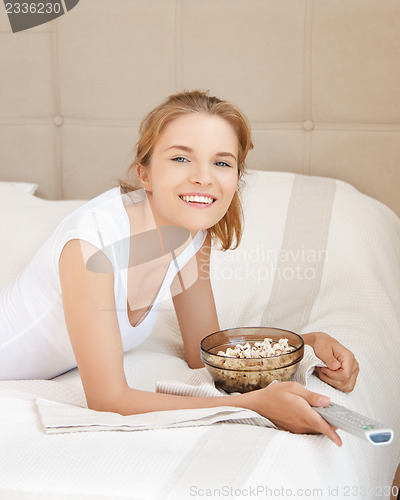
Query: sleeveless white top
{"x": 34, "y": 341}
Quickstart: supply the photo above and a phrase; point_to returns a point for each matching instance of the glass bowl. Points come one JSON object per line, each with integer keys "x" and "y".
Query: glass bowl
{"x": 248, "y": 374}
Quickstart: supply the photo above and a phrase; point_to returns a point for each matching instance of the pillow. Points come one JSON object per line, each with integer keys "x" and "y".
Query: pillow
{"x": 304, "y": 238}
{"x": 28, "y": 187}
{"x": 26, "y": 222}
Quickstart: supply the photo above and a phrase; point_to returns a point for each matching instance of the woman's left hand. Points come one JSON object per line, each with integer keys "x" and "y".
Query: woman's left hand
{"x": 342, "y": 367}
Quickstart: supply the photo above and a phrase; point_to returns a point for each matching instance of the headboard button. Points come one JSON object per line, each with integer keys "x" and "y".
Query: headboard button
{"x": 308, "y": 125}
{"x": 58, "y": 120}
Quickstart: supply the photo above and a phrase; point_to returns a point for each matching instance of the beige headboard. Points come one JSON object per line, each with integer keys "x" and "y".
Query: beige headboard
{"x": 319, "y": 80}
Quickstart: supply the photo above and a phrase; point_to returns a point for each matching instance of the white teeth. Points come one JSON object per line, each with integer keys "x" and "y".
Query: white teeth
{"x": 198, "y": 199}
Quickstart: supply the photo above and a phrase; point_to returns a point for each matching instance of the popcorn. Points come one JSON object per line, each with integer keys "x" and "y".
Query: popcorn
{"x": 263, "y": 349}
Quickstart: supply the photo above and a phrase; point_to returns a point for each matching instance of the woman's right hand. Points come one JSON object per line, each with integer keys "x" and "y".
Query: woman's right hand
{"x": 288, "y": 406}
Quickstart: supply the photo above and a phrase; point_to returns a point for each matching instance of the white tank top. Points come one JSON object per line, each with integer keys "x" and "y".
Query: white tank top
{"x": 34, "y": 341}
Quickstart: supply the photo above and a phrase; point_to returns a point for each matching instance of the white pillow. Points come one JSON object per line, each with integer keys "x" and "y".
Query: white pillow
{"x": 28, "y": 187}
{"x": 26, "y": 222}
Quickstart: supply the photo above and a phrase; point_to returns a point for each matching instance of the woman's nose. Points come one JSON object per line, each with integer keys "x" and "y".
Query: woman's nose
{"x": 201, "y": 174}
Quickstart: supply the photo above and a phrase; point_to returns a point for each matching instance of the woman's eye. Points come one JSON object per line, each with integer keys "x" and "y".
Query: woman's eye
{"x": 180, "y": 159}
{"x": 222, "y": 164}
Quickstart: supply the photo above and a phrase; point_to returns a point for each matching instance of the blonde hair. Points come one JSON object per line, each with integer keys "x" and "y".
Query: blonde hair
{"x": 196, "y": 101}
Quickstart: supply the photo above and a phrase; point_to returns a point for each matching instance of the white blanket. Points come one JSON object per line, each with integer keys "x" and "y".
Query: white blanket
{"x": 346, "y": 283}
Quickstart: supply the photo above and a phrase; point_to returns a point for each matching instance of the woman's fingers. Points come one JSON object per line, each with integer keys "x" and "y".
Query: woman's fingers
{"x": 346, "y": 376}
{"x": 340, "y": 379}
{"x": 312, "y": 398}
{"x": 290, "y": 408}
{"x": 340, "y": 374}
{"x": 342, "y": 367}
{"x": 321, "y": 425}
{"x": 328, "y": 430}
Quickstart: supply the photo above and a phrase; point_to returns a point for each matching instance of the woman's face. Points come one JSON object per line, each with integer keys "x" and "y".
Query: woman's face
{"x": 193, "y": 172}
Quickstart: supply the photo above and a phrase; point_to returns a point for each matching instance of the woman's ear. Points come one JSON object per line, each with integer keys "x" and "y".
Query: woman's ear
{"x": 143, "y": 176}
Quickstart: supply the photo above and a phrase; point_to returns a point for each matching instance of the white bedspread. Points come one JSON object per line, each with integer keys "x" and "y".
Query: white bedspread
{"x": 346, "y": 283}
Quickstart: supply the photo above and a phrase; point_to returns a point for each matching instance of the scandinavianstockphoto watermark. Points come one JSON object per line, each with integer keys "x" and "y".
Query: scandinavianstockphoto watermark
{"x": 261, "y": 254}
{"x": 264, "y": 273}
{"x": 260, "y": 264}
{"x": 26, "y": 14}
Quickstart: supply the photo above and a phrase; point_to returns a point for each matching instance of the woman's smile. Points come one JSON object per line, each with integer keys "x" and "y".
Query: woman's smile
{"x": 198, "y": 200}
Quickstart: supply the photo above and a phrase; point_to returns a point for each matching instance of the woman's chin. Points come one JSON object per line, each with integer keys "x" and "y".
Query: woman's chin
{"x": 196, "y": 229}
{"x": 196, "y": 226}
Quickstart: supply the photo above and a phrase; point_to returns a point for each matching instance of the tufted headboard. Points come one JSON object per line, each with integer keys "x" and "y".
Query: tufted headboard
{"x": 318, "y": 79}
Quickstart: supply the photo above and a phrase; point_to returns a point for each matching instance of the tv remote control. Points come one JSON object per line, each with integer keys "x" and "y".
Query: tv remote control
{"x": 356, "y": 424}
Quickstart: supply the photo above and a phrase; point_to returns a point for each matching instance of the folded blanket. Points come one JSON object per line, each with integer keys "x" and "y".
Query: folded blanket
{"x": 61, "y": 418}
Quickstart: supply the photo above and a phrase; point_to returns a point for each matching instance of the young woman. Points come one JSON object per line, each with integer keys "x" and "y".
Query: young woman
{"x": 93, "y": 290}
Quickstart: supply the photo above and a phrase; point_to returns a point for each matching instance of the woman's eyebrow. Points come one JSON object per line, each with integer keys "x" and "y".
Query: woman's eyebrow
{"x": 190, "y": 150}
{"x": 183, "y": 148}
{"x": 223, "y": 153}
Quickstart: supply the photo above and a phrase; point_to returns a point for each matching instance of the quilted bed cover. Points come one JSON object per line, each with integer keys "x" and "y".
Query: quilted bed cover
{"x": 316, "y": 255}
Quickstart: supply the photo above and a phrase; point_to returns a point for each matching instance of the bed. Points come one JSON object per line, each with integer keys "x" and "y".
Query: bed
{"x": 319, "y": 83}
{"x": 305, "y": 270}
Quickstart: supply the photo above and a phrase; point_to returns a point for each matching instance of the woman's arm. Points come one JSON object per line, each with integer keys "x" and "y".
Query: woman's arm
{"x": 89, "y": 308}
{"x": 195, "y": 306}
{"x": 91, "y": 319}
{"x": 287, "y": 404}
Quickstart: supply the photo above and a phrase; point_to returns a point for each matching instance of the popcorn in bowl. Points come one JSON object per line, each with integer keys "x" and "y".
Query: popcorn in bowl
{"x": 263, "y": 349}
{"x": 250, "y": 358}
